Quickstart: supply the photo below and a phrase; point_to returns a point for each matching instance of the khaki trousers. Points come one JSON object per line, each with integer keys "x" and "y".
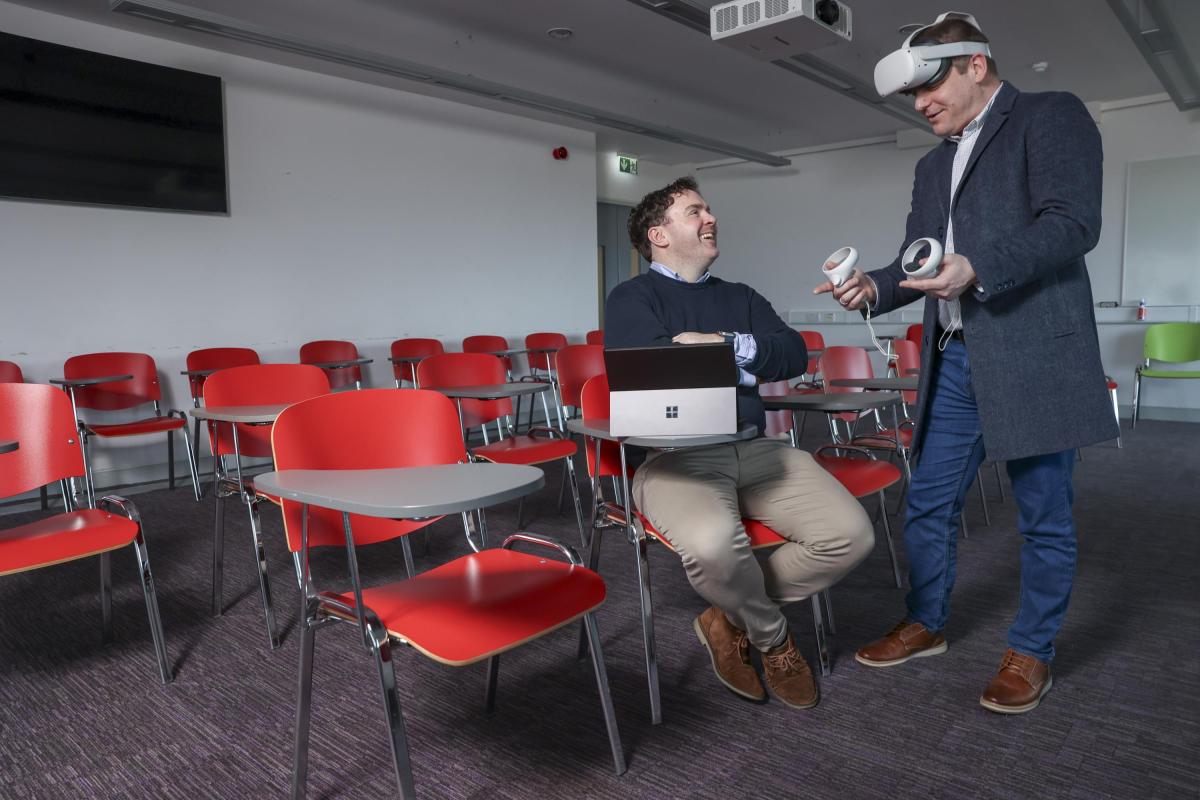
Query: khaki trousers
{"x": 697, "y": 497}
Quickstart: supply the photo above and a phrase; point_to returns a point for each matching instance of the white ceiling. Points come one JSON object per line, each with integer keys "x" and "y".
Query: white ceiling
{"x": 629, "y": 61}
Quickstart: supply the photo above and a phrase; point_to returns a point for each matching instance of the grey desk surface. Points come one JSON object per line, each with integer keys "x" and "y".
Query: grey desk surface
{"x": 600, "y": 430}
{"x": 516, "y": 351}
{"x": 916, "y": 372}
{"x": 7, "y": 446}
{"x": 90, "y": 381}
{"x": 250, "y": 415}
{"x": 846, "y": 401}
{"x": 351, "y": 362}
{"x": 405, "y": 493}
{"x": 198, "y": 373}
{"x": 493, "y": 391}
{"x": 891, "y": 384}
{"x": 406, "y": 359}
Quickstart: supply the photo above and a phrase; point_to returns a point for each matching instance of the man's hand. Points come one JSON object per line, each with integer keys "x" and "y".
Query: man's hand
{"x": 857, "y": 292}
{"x": 691, "y": 337}
{"x": 955, "y": 276}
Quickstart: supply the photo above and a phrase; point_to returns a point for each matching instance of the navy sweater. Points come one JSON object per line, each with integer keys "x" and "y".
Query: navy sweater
{"x": 652, "y": 308}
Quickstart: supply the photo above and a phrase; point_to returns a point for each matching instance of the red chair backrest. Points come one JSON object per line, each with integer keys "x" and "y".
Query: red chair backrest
{"x": 777, "y": 421}
{"x": 324, "y": 350}
{"x": 538, "y": 341}
{"x": 595, "y": 337}
{"x": 258, "y": 385}
{"x": 408, "y": 348}
{"x": 217, "y": 358}
{"x": 813, "y": 340}
{"x": 845, "y": 362}
{"x": 914, "y": 332}
{"x": 577, "y": 363}
{"x": 38, "y": 417}
{"x": 467, "y": 369}
{"x": 484, "y": 343}
{"x": 142, "y": 388}
{"x": 908, "y": 357}
{"x": 594, "y": 405}
{"x": 10, "y": 373}
{"x": 371, "y": 429}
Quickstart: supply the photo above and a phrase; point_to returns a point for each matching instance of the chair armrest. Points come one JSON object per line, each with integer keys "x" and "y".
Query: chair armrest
{"x": 552, "y": 433}
{"x": 120, "y": 505}
{"x": 544, "y": 541}
{"x": 851, "y": 447}
{"x": 813, "y": 384}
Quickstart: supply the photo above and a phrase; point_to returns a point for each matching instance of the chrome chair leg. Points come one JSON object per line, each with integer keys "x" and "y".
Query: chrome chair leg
{"x": 1117, "y": 414}
{"x": 569, "y": 474}
{"x": 987, "y": 518}
{"x": 192, "y": 462}
{"x": 151, "y": 596}
{"x": 106, "y": 596}
{"x": 829, "y": 612}
{"x": 218, "y": 566}
{"x": 170, "y": 459}
{"x": 999, "y": 482}
{"x": 308, "y": 634}
{"x": 610, "y": 717}
{"x": 643, "y": 570}
{"x": 387, "y": 684}
{"x": 962, "y": 521}
{"x": 819, "y": 630}
{"x": 493, "y": 677}
{"x": 1137, "y": 390}
{"x": 406, "y": 548}
{"x": 264, "y": 578}
{"x": 887, "y": 531}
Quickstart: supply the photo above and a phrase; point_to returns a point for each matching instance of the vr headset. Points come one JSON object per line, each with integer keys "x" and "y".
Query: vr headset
{"x": 912, "y": 67}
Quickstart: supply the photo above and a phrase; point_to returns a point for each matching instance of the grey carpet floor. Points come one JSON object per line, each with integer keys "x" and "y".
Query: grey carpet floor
{"x": 82, "y": 719}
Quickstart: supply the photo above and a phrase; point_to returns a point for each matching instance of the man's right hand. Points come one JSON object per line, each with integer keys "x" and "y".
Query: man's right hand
{"x": 857, "y": 292}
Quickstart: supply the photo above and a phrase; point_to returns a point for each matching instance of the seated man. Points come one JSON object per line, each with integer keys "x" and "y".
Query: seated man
{"x": 697, "y": 497}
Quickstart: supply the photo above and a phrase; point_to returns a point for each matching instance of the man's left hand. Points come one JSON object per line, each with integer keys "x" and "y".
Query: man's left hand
{"x": 691, "y": 337}
{"x": 955, "y": 276}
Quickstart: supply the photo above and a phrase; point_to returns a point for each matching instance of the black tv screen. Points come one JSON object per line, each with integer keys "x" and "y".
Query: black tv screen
{"x": 82, "y": 127}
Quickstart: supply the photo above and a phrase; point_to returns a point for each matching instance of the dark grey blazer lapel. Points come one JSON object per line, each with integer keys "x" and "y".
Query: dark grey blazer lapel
{"x": 996, "y": 118}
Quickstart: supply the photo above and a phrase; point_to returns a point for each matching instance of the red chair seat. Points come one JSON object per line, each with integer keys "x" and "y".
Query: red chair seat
{"x": 483, "y": 603}
{"x": 148, "y": 425}
{"x": 525, "y": 449}
{"x": 63, "y": 537}
{"x": 860, "y": 476}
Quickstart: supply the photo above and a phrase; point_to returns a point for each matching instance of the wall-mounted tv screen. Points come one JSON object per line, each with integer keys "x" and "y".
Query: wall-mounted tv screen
{"x": 82, "y": 127}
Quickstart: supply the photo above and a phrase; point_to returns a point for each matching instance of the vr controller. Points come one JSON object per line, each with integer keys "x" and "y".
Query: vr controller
{"x": 909, "y": 261}
{"x": 843, "y": 266}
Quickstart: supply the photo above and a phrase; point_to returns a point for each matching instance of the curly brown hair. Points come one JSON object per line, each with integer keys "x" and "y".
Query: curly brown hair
{"x": 652, "y": 211}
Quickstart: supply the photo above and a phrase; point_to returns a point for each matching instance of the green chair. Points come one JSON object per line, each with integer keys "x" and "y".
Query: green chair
{"x": 1170, "y": 343}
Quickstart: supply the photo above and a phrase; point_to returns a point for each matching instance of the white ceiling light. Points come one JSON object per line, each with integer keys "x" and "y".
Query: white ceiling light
{"x": 560, "y": 34}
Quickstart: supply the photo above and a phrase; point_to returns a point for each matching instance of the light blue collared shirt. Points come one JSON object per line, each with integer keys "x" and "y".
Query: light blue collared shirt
{"x": 745, "y": 348}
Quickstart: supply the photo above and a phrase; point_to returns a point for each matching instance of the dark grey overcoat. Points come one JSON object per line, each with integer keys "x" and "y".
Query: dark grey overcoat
{"x": 1026, "y": 211}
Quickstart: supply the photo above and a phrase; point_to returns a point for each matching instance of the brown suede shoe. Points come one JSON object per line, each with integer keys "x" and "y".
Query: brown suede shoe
{"x": 1019, "y": 686}
{"x": 730, "y": 652}
{"x": 906, "y": 640}
{"x": 788, "y": 675}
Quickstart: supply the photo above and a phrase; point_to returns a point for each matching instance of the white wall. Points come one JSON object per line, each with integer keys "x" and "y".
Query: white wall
{"x": 778, "y": 225}
{"x": 357, "y": 212}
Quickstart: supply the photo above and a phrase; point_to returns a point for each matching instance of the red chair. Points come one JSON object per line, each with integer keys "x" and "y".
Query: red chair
{"x": 605, "y": 461}
{"x": 250, "y": 385}
{"x": 40, "y": 419}
{"x": 595, "y": 337}
{"x": 914, "y": 333}
{"x": 411, "y": 348}
{"x": 813, "y": 340}
{"x": 537, "y": 446}
{"x": 468, "y": 610}
{"x": 577, "y": 364}
{"x": 142, "y": 388}
{"x": 324, "y": 351}
{"x": 485, "y": 343}
{"x": 10, "y": 373}
{"x": 212, "y": 358}
{"x": 543, "y": 366}
{"x": 906, "y": 358}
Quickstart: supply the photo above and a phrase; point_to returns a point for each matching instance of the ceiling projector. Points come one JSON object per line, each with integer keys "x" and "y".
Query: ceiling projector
{"x": 773, "y": 29}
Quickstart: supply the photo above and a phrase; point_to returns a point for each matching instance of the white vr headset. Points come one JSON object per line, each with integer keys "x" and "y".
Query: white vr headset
{"x": 911, "y": 67}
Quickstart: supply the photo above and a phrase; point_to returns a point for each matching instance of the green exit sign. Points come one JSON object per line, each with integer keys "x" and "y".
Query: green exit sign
{"x": 627, "y": 164}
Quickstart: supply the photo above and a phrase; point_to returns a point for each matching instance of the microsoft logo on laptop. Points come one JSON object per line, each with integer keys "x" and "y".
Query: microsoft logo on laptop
{"x": 672, "y": 412}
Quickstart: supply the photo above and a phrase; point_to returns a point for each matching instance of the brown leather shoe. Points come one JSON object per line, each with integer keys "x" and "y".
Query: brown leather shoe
{"x": 788, "y": 675}
{"x": 1019, "y": 686}
{"x": 730, "y": 652}
{"x": 906, "y": 640}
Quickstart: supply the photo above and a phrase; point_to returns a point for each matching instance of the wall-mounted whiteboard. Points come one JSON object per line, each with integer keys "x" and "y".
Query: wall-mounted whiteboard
{"x": 1162, "y": 232}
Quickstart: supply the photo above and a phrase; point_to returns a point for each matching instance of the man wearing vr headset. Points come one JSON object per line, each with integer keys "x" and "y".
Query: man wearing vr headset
{"x": 1011, "y": 359}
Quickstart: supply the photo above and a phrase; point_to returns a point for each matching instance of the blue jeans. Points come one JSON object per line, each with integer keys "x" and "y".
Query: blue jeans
{"x": 951, "y": 453}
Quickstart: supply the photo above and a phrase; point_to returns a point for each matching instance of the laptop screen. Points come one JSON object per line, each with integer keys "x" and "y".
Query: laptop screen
{"x": 675, "y": 366}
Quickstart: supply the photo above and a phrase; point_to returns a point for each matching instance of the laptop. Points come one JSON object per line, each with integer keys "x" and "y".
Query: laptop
{"x": 676, "y": 390}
